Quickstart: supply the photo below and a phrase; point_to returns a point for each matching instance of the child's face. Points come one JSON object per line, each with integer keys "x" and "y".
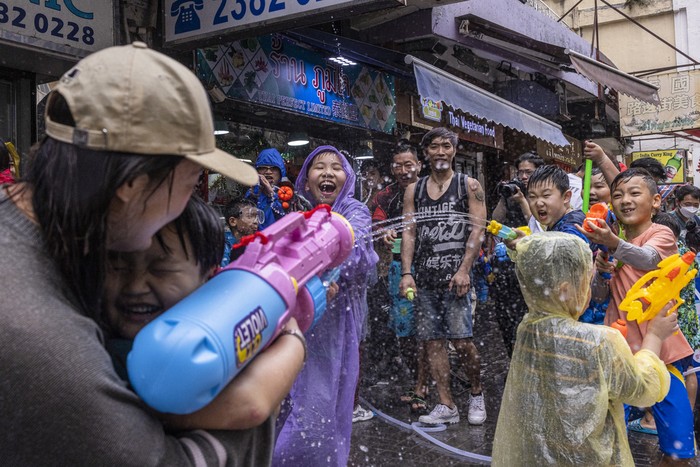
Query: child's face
{"x": 600, "y": 191}
{"x": 633, "y": 203}
{"x": 247, "y": 223}
{"x": 271, "y": 173}
{"x": 326, "y": 178}
{"x": 140, "y": 286}
{"x": 547, "y": 203}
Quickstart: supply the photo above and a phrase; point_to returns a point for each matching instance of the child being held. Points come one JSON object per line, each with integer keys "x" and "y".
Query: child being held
{"x": 140, "y": 286}
{"x": 635, "y": 199}
{"x": 564, "y": 394}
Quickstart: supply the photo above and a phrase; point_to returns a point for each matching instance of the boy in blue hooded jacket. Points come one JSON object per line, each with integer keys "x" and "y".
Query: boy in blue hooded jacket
{"x": 272, "y": 175}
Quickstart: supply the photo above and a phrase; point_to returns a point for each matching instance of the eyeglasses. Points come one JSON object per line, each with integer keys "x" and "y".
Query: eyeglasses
{"x": 266, "y": 168}
{"x": 251, "y": 214}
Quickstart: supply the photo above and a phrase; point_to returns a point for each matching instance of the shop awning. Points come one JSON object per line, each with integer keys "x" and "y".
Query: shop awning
{"x": 438, "y": 85}
{"x": 613, "y": 78}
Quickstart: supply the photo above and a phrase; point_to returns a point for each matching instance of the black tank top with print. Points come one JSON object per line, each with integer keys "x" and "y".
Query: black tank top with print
{"x": 441, "y": 232}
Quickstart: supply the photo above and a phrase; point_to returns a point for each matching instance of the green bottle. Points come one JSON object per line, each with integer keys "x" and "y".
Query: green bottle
{"x": 673, "y": 166}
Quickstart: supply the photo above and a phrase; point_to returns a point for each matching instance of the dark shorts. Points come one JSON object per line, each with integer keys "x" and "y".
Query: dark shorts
{"x": 441, "y": 315}
{"x": 674, "y": 418}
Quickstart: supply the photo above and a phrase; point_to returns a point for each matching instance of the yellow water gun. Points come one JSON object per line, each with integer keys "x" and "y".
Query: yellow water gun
{"x": 643, "y": 301}
{"x": 505, "y": 232}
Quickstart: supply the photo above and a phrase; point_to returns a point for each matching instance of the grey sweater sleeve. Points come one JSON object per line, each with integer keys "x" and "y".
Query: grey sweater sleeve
{"x": 645, "y": 258}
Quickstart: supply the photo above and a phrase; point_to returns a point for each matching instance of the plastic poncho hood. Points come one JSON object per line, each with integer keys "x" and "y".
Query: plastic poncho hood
{"x": 346, "y": 192}
{"x": 554, "y": 271}
{"x": 568, "y": 381}
{"x": 271, "y": 158}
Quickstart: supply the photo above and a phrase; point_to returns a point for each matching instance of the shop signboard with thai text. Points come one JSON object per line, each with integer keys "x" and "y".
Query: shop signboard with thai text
{"x": 69, "y": 27}
{"x": 273, "y": 71}
{"x": 673, "y": 160}
{"x": 679, "y": 93}
{"x": 568, "y": 156}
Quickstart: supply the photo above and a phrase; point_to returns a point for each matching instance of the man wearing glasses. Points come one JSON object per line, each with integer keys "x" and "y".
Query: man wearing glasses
{"x": 512, "y": 208}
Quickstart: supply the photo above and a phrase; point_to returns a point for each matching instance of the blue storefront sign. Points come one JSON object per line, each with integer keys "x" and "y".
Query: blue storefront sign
{"x": 70, "y": 27}
{"x": 273, "y": 71}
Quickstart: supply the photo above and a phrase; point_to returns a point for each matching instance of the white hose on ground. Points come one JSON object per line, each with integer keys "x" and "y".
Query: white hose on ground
{"x": 423, "y": 430}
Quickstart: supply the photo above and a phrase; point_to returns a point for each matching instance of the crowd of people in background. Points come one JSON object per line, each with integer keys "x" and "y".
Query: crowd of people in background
{"x": 99, "y": 257}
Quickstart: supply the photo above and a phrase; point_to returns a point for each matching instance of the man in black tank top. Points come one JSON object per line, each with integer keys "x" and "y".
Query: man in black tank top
{"x": 441, "y": 246}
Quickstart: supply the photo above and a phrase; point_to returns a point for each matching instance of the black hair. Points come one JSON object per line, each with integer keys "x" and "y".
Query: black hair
{"x": 692, "y": 236}
{"x": 439, "y": 132}
{"x": 596, "y": 171}
{"x": 5, "y": 158}
{"x": 549, "y": 174}
{"x": 200, "y": 223}
{"x": 405, "y": 146}
{"x": 664, "y": 218}
{"x": 72, "y": 189}
{"x": 235, "y": 208}
{"x": 369, "y": 164}
{"x": 530, "y": 157}
{"x": 685, "y": 190}
{"x": 651, "y": 165}
{"x": 624, "y": 177}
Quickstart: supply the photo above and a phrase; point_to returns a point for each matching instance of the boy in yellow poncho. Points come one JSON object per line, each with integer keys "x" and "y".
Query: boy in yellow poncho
{"x": 563, "y": 400}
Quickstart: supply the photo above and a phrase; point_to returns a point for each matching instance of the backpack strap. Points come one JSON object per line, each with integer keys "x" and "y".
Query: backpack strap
{"x": 420, "y": 189}
{"x": 463, "y": 190}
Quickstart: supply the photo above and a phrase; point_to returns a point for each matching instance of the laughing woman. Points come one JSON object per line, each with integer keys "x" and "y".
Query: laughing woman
{"x": 319, "y": 425}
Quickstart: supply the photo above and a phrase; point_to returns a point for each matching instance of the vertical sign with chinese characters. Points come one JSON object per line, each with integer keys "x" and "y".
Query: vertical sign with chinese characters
{"x": 679, "y": 93}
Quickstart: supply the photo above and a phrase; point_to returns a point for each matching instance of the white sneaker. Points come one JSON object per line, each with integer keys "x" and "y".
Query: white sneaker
{"x": 360, "y": 414}
{"x": 440, "y": 414}
{"x": 477, "y": 410}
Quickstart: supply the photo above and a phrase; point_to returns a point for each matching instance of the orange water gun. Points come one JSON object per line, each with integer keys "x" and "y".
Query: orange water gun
{"x": 643, "y": 301}
{"x": 597, "y": 215}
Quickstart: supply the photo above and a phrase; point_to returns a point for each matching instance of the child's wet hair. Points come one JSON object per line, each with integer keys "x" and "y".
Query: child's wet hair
{"x": 235, "y": 208}
{"x": 627, "y": 175}
{"x": 692, "y": 236}
{"x": 664, "y": 218}
{"x": 549, "y": 174}
{"x": 651, "y": 165}
{"x": 199, "y": 223}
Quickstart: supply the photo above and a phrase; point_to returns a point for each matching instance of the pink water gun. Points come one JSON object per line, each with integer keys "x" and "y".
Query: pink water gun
{"x": 185, "y": 357}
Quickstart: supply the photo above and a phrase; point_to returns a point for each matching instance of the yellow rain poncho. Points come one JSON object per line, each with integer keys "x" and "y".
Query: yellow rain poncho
{"x": 562, "y": 404}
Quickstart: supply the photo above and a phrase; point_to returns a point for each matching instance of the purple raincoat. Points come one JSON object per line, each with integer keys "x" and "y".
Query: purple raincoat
{"x": 318, "y": 429}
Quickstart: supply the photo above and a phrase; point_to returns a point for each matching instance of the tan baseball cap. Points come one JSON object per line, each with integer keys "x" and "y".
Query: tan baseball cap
{"x": 135, "y": 100}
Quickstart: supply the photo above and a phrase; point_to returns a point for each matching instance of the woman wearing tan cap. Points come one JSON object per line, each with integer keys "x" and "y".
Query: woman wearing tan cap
{"x": 128, "y": 130}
